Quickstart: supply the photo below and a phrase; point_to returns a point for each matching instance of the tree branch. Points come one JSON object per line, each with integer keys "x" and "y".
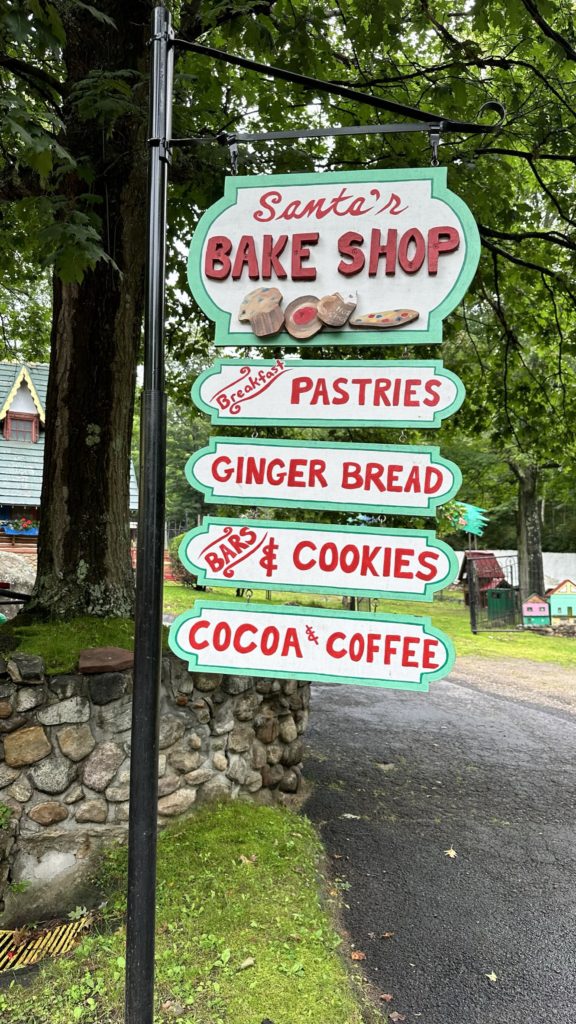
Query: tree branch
{"x": 36, "y": 77}
{"x": 555, "y": 237}
{"x": 516, "y": 259}
{"x": 548, "y": 31}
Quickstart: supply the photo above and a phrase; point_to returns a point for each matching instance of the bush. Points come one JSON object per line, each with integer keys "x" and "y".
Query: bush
{"x": 180, "y": 574}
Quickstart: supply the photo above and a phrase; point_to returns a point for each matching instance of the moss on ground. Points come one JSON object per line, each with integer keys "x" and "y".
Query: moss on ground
{"x": 59, "y": 641}
{"x": 243, "y": 933}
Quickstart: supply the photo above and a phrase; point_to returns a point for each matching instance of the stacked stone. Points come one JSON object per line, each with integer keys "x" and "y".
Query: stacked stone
{"x": 65, "y": 754}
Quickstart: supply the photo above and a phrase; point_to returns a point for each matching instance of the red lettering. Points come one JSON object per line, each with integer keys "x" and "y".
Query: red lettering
{"x": 300, "y": 385}
{"x": 330, "y": 645}
{"x": 431, "y": 646}
{"x": 216, "y": 259}
{"x": 348, "y": 246}
{"x": 195, "y": 644}
{"x": 441, "y": 240}
{"x": 238, "y": 636}
{"x": 427, "y": 561}
{"x": 351, "y": 475}
{"x": 432, "y": 389}
{"x": 268, "y": 200}
{"x": 297, "y": 556}
{"x": 411, "y": 264}
{"x": 224, "y": 474}
{"x": 301, "y": 252}
{"x": 433, "y": 478}
{"x": 409, "y": 646}
{"x": 246, "y": 257}
{"x": 270, "y": 252}
{"x": 377, "y": 251}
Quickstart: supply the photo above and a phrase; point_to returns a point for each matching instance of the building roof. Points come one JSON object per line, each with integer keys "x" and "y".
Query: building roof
{"x": 558, "y": 588}
{"x": 488, "y": 568}
{"x": 21, "y": 462}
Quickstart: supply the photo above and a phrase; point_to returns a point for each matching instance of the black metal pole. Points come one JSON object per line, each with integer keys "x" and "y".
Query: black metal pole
{"x": 149, "y": 577}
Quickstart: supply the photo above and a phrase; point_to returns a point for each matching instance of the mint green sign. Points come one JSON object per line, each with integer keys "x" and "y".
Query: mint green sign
{"x": 397, "y": 652}
{"x": 341, "y": 258}
{"x": 328, "y": 393}
{"x": 368, "y": 561}
{"x": 403, "y": 479}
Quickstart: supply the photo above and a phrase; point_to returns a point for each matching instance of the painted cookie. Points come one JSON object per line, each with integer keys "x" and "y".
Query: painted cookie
{"x": 334, "y": 310}
{"x": 261, "y": 300}
{"x": 388, "y": 318}
{"x": 301, "y": 317}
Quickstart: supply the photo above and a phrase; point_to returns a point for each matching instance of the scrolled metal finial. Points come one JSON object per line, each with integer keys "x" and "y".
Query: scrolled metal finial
{"x": 496, "y": 106}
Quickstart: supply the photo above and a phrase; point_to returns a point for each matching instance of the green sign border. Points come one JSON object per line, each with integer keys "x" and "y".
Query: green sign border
{"x": 278, "y": 524}
{"x": 438, "y": 177}
{"x": 312, "y": 421}
{"x": 246, "y": 443}
{"x": 317, "y": 677}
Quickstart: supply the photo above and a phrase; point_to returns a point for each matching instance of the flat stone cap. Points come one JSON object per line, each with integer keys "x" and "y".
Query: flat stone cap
{"x": 105, "y": 659}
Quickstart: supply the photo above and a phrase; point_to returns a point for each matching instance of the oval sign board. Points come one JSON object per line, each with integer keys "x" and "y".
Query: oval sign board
{"x": 276, "y": 555}
{"x": 382, "y": 256}
{"x": 404, "y": 479}
{"x": 346, "y": 393}
{"x": 403, "y": 653}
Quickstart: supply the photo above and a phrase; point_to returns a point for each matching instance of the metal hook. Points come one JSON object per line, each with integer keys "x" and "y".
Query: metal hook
{"x": 229, "y": 139}
{"x": 434, "y": 138}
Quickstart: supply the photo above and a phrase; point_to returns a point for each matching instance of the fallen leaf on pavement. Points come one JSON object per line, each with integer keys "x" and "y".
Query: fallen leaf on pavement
{"x": 492, "y": 976}
{"x": 451, "y": 853}
{"x": 388, "y": 935}
{"x": 395, "y": 1016}
{"x": 387, "y": 997}
{"x": 356, "y": 817}
{"x": 357, "y": 955}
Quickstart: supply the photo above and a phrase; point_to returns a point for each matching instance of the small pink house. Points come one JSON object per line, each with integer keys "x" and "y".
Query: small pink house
{"x": 536, "y": 611}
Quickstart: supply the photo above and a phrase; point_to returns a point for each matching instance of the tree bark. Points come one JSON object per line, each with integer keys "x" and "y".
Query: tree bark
{"x": 84, "y": 545}
{"x": 530, "y": 562}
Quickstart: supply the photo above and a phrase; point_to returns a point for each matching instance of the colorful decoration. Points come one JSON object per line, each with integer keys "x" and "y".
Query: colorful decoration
{"x": 536, "y": 611}
{"x": 386, "y": 320}
{"x": 261, "y": 308}
{"x": 458, "y": 515}
{"x": 562, "y": 599}
{"x": 334, "y": 310}
{"x": 301, "y": 317}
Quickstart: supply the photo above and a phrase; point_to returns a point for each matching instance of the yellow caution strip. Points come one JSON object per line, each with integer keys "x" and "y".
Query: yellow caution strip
{"x": 20, "y": 948}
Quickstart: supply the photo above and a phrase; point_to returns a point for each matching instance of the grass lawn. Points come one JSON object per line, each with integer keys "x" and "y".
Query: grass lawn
{"x": 243, "y": 933}
{"x": 448, "y": 614}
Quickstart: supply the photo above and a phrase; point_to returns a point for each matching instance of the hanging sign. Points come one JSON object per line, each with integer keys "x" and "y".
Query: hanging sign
{"x": 277, "y": 555}
{"x": 404, "y": 479}
{"x": 402, "y": 653}
{"x": 351, "y": 393}
{"x": 344, "y": 258}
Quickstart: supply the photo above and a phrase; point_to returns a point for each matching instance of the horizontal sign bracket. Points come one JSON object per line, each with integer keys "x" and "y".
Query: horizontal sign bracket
{"x": 335, "y": 89}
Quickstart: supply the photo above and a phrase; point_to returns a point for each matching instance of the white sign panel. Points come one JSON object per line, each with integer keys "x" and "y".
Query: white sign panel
{"x": 274, "y": 555}
{"x": 407, "y": 479}
{"x": 339, "y": 647}
{"x": 283, "y": 392}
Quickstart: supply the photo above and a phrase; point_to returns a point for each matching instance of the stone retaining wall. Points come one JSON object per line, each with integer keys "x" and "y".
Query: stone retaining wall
{"x": 65, "y": 765}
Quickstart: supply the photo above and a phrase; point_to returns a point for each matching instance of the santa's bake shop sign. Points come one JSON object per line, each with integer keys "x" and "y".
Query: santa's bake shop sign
{"x": 405, "y": 479}
{"x": 403, "y": 653}
{"x": 351, "y": 393}
{"x": 359, "y": 258}
{"x": 369, "y": 561}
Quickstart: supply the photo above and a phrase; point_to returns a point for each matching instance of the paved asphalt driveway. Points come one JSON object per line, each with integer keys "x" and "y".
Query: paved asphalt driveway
{"x": 400, "y": 778}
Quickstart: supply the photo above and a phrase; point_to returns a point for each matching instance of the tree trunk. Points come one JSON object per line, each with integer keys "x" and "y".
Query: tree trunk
{"x": 84, "y": 545}
{"x": 531, "y": 566}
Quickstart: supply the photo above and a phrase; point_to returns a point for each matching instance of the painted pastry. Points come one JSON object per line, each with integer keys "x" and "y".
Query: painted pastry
{"x": 334, "y": 310}
{"x": 265, "y": 324}
{"x": 386, "y": 319}
{"x": 301, "y": 317}
{"x": 261, "y": 300}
